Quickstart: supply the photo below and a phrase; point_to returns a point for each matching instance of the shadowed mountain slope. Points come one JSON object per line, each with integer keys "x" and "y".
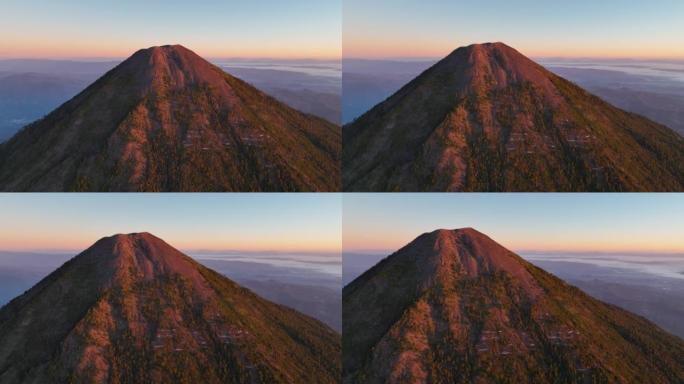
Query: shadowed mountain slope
{"x": 167, "y": 120}
{"x": 453, "y": 306}
{"x": 486, "y": 118}
{"x": 132, "y": 309}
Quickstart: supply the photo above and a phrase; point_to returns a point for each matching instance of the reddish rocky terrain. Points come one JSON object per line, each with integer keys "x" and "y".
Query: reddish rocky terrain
{"x": 486, "y": 118}
{"x": 167, "y": 120}
{"x": 453, "y": 306}
{"x": 132, "y": 309}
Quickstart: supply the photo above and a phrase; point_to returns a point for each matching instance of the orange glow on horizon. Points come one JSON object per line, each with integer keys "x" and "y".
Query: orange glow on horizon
{"x": 389, "y": 49}
{"x": 553, "y": 245}
{"x": 254, "y": 244}
{"x": 23, "y": 50}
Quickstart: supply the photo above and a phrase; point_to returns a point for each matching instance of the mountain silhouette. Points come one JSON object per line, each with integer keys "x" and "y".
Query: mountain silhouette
{"x": 486, "y": 118}
{"x": 453, "y": 306}
{"x": 167, "y": 120}
{"x": 132, "y": 309}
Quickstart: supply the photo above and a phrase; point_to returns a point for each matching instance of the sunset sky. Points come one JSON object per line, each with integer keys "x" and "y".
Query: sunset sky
{"x": 521, "y": 222}
{"x": 328, "y": 29}
{"x": 537, "y": 28}
{"x": 247, "y": 222}
{"x": 212, "y": 28}
{"x": 356, "y": 222}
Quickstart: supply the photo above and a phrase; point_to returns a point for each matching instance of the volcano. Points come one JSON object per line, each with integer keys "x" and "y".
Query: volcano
{"x": 132, "y": 309}
{"x": 453, "y": 306}
{"x": 487, "y": 118}
{"x": 167, "y": 120}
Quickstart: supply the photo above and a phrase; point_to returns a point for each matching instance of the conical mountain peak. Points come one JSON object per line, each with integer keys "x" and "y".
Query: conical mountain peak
{"x": 175, "y": 48}
{"x": 166, "y": 51}
{"x": 489, "y": 49}
{"x": 458, "y": 232}
{"x": 131, "y": 308}
{"x": 461, "y": 237}
{"x": 485, "y": 52}
{"x": 161, "y": 68}
{"x": 487, "y": 118}
{"x": 165, "y": 119}
{"x": 456, "y": 298}
{"x": 463, "y": 251}
{"x": 479, "y": 68}
{"x": 140, "y": 238}
{"x": 128, "y": 258}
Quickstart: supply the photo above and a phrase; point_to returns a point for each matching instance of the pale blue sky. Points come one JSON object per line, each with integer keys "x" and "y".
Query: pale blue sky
{"x": 326, "y": 222}
{"x": 556, "y": 222}
{"x": 433, "y": 28}
{"x": 274, "y": 222}
{"x": 213, "y": 28}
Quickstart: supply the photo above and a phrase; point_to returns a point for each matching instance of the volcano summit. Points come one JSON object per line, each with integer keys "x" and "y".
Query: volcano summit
{"x": 487, "y": 118}
{"x": 453, "y": 306}
{"x": 167, "y": 120}
{"x": 132, "y": 309}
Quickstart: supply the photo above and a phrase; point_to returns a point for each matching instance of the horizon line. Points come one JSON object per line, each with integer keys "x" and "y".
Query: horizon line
{"x": 185, "y": 250}
{"x": 342, "y": 58}
{"x": 535, "y": 57}
{"x": 210, "y": 57}
{"x": 384, "y": 252}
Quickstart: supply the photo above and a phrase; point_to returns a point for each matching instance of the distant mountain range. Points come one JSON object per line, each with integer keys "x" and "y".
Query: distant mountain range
{"x": 453, "y": 306}
{"x": 167, "y": 120}
{"x": 486, "y": 118}
{"x": 132, "y": 309}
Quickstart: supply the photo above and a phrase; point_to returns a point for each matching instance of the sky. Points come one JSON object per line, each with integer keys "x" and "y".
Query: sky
{"x": 630, "y": 223}
{"x": 353, "y": 222}
{"x": 290, "y": 29}
{"x": 537, "y": 28}
{"x": 243, "y": 222}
